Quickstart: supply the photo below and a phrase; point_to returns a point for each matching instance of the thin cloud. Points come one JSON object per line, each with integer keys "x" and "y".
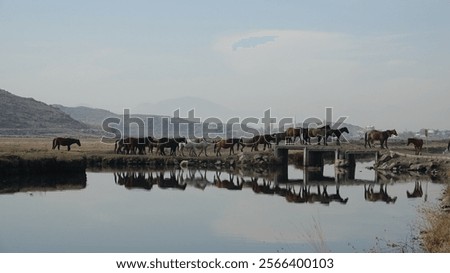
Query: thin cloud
{"x": 253, "y": 42}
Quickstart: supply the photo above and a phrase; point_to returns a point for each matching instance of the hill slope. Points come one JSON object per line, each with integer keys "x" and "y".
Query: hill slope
{"x": 87, "y": 115}
{"x": 28, "y": 115}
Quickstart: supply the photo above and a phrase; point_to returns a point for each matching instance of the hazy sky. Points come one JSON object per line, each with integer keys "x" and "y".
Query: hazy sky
{"x": 382, "y": 63}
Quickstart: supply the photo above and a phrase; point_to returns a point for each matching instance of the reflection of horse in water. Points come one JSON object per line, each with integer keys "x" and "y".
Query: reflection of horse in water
{"x": 382, "y": 136}
{"x": 417, "y": 192}
{"x": 382, "y": 195}
{"x": 336, "y": 196}
{"x": 171, "y": 182}
{"x": 227, "y": 184}
{"x": 265, "y": 188}
{"x": 133, "y": 180}
{"x": 293, "y": 197}
{"x": 192, "y": 180}
{"x": 62, "y": 141}
{"x": 305, "y": 195}
{"x": 418, "y": 143}
{"x": 318, "y": 196}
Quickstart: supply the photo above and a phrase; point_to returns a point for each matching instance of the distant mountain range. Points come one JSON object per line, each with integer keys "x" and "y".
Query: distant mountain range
{"x": 26, "y": 116}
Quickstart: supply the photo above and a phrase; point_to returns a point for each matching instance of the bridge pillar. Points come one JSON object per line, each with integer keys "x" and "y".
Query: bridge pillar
{"x": 312, "y": 158}
{"x": 281, "y": 156}
{"x": 350, "y": 160}
{"x": 339, "y": 158}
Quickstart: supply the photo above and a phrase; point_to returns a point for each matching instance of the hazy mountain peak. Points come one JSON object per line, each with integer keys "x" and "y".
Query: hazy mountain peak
{"x": 203, "y": 108}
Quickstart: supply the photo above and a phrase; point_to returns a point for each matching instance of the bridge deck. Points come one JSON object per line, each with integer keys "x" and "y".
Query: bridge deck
{"x": 318, "y": 148}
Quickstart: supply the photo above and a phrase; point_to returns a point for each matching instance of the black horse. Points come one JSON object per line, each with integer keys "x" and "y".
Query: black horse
{"x": 337, "y": 133}
{"x": 171, "y": 143}
{"x": 64, "y": 141}
{"x": 418, "y": 144}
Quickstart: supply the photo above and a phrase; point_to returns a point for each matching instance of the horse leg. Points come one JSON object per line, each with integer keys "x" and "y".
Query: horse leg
{"x": 68, "y": 147}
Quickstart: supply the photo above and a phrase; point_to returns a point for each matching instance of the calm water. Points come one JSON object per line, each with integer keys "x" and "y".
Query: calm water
{"x": 131, "y": 212}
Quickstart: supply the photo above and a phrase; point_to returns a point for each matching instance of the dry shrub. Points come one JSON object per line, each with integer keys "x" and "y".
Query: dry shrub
{"x": 436, "y": 236}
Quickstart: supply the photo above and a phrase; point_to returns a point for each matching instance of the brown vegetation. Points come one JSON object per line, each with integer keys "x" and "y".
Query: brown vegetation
{"x": 436, "y": 235}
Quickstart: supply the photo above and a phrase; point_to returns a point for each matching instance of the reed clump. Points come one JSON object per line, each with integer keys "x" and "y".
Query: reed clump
{"x": 436, "y": 234}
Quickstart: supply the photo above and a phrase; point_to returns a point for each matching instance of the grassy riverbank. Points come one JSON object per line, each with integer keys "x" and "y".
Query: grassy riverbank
{"x": 35, "y": 155}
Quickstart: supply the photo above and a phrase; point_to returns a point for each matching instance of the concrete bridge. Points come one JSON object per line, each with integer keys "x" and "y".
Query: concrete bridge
{"x": 313, "y": 155}
{"x": 313, "y": 159}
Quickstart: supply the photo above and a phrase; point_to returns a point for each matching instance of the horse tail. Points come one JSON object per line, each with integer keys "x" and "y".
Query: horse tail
{"x": 54, "y": 144}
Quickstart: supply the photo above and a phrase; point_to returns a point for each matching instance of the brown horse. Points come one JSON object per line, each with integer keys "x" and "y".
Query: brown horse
{"x": 418, "y": 143}
{"x": 225, "y": 144}
{"x": 128, "y": 145}
{"x": 63, "y": 141}
{"x": 382, "y": 136}
{"x": 291, "y": 134}
{"x": 321, "y": 132}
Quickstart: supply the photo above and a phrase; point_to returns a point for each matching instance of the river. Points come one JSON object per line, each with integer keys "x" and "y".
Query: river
{"x": 213, "y": 211}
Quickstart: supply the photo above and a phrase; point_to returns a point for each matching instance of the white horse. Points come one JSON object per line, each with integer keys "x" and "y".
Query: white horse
{"x": 193, "y": 147}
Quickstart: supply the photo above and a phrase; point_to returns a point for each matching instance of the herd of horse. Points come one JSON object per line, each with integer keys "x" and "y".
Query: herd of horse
{"x": 196, "y": 147}
{"x": 178, "y": 146}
